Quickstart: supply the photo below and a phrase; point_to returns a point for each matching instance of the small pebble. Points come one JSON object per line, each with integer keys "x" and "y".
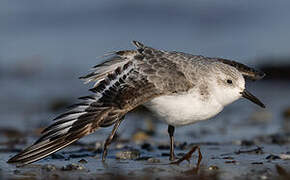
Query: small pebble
{"x": 83, "y": 161}
{"x": 49, "y": 167}
{"x": 71, "y": 167}
{"x": 257, "y": 163}
{"x": 153, "y": 160}
{"x": 213, "y": 168}
{"x": 264, "y": 177}
{"x": 120, "y": 146}
{"x": 284, "y": 156}
{"x": 228, "y": 157}
{"x": 231, "y": 162}
{"x": 257, "y": 150}
{"x": 272, "y": 157}
{"x": 128, "y": 154}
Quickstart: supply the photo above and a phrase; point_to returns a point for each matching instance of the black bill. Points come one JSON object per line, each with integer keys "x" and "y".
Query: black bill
{"x": 251, "y": 97}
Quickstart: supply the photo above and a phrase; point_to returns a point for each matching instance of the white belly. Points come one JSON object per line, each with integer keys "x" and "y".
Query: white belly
{"x": 183, "y": 109}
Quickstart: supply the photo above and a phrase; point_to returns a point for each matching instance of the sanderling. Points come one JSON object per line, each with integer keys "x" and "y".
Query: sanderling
{"x": 179, "y": 88}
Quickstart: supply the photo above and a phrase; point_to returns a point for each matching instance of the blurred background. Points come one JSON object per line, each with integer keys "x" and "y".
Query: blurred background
{"x": 46, "y": 45}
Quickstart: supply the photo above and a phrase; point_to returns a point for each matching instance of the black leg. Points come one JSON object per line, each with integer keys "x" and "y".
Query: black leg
{"x": 110, "y": 138}
{"x": 171, "y": 132}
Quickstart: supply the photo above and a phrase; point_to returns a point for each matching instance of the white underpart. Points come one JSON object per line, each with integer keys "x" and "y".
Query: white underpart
{"x": 178, "y": 110}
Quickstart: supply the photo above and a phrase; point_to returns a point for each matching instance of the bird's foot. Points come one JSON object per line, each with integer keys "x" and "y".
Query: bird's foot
{"x": 188, "y": 155}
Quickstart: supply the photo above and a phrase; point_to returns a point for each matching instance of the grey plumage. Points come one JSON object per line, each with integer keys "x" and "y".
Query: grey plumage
{"x": 126, "y": 80}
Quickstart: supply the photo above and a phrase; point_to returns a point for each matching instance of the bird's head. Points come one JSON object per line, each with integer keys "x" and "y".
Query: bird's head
{"x": 230, "y": 85}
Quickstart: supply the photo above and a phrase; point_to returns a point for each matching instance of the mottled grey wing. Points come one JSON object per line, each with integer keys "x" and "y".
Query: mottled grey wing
{"x": 125, "y": 81}
{"x": 147, "y": 73}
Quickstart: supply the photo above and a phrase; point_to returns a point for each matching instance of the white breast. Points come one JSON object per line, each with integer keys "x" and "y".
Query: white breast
{"x": 184, "y": 109}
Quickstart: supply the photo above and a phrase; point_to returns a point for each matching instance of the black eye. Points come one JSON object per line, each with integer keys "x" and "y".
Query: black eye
{"x": 229, "y": 81}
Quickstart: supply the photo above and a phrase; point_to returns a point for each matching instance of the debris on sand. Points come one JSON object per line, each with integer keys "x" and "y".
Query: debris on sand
{"x": 272, "y": 157}
{"x": 228, "y": 157}
{"x": 153, "y": 160}
{"x": 83, "y": 161}
{"x": 279, "y": 156}
{"x": 128, "y": 154}
{"x": 257, "y": 150}
{"x": 231, "y": 162}
{"x": 213, "y": 168}
{"x": 257, "y": 163}
{"x": 284, "y": 156}
{"x": 49, "y": 167}
{"x": 72, "y": 167}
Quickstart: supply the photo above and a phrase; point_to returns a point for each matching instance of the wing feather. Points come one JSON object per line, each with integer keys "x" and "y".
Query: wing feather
{"x": 125, "y": 81}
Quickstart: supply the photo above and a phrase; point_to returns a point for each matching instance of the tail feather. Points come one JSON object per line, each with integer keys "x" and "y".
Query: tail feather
{"x": 33, "y": 154}
{"x": 63, "y": 133}
{"x": 46, "y": 147}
